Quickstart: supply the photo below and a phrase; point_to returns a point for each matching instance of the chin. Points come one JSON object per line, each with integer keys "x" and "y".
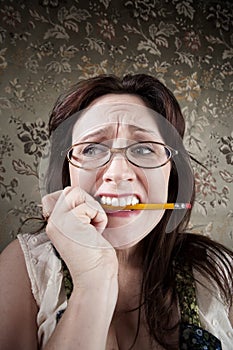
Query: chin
{"x": 129, "y": 234}
{"x": 129, "y": 245}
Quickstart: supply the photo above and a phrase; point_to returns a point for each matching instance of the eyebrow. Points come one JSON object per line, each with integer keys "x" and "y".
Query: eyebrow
{"x": 103, "y": 131}
{"x": 95, "y": 133}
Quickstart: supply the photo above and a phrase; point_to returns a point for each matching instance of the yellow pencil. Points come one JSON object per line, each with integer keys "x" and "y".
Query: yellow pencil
{"x": 149, "y": 206}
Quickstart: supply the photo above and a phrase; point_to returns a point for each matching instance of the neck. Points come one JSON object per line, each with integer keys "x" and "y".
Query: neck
{"x": 129, "y": 278}
{"x": 130, "y": 257}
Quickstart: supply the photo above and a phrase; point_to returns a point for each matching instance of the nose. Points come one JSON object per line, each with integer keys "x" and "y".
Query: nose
{"x": 118, "y": 170}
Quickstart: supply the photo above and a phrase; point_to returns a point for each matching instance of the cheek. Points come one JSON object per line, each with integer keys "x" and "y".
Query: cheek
{"x": 74, "y": 175}
{"x": 158, "y": 184}
{"x": 82, "y": 178}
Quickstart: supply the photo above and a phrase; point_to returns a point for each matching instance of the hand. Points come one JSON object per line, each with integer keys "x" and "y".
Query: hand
{"x": 75, "y": 225}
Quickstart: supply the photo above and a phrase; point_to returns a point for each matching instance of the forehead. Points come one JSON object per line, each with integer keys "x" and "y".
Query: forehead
{"x": 115, "y": 111}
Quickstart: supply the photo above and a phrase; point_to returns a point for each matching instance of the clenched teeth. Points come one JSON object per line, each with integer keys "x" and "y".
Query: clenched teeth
{"x": 119, "y": 201}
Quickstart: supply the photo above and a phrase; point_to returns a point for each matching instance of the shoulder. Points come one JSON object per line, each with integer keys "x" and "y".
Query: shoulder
{"x": 216, "y": 315}
{"x": 12, "y": 259}
{"x": 212, "y": 259}
{"x": 13, "y": 272}
{"x": 13, "y": 269}
{"x": 16, "y": 299}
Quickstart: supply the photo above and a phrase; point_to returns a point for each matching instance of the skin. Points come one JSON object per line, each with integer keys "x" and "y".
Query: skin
{"x": 107, "y": 279}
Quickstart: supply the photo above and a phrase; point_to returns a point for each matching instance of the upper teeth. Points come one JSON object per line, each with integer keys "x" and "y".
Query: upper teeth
{"x": 119, "y": 201}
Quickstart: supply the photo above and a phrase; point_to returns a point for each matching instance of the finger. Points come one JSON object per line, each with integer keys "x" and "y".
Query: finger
{"x": 72, "y": 197}
{"x": 74, "y": 229}
{"x": 91, "y": 215}
{"x": 48, "y": 203}
{"x": 75, "y": 196}
{"x": 50, "y": 200}
{"x": 79, "y": 217}
{"x": 94, "y": 209}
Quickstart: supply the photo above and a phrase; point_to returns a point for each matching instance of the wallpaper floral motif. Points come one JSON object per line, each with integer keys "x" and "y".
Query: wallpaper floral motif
{"x": 47, "y": 45}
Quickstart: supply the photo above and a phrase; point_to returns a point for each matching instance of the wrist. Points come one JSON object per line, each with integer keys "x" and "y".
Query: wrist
{"x": 101, "y": 277}
{"x": 97, "y": 286}
{"x": 101, "y": 297}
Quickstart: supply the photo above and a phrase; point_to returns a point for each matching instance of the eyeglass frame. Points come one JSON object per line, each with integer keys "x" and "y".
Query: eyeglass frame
{"x": 114, "y": 150}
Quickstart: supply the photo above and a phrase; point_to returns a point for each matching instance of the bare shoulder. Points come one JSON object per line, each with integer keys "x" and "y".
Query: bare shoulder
{"x": 12, "y": 264}
{"x": 16, "y": 301}
{"x": 13, "y": 272}
{"x": 12, "y": 253}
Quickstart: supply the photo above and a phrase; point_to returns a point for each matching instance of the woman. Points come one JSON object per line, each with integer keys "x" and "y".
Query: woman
{"x": 102, "y": 277}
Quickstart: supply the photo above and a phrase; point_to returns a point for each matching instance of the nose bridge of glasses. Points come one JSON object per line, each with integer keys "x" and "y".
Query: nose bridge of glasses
{"x": 118, "y": 151}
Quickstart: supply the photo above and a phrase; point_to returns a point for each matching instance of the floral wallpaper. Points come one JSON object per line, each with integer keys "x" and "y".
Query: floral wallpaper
{"x": 47, "y": 45}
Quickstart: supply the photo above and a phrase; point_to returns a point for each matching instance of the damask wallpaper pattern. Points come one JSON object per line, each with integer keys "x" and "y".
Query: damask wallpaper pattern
{"x": 47, "y": 45}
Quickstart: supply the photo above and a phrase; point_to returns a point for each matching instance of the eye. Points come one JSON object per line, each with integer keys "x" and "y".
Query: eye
{"x": 93, "y": 150}
{"x": 141, "y": 150}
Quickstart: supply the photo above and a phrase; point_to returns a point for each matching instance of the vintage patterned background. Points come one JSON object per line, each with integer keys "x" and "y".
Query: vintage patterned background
{"x": 46, "y": 45}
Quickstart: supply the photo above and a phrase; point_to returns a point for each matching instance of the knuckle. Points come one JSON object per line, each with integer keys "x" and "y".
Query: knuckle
{"x": 67, "y": 189}
{"x": 45, "y": 199}
{"x": 49, "y": 227}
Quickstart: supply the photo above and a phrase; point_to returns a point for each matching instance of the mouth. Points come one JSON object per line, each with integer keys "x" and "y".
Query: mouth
{"x": 113, "y": 202}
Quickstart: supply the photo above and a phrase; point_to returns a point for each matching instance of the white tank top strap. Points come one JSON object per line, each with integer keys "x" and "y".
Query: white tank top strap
{"x": 45, "y": 273}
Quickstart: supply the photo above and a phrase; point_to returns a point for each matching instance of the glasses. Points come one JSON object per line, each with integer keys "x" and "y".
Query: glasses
{"x": 148, "y": 155}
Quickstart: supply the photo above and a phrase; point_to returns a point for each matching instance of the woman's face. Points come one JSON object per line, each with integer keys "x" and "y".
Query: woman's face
{"x": 121, "y": 120}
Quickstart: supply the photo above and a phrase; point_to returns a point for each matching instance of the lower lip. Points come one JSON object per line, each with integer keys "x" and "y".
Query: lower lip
{"x": 123, "y": 213}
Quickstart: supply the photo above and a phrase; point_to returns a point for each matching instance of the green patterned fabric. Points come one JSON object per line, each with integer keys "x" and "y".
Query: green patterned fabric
{"x": 67, "y": 280}
{"x": 185, "y": 287}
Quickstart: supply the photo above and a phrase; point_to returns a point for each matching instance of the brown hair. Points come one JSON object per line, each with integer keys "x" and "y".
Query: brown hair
{"x": 160, "y": 249}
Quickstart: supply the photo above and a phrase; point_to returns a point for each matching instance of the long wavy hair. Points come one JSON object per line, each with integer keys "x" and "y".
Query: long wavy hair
{"x": 159, "y": 248}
